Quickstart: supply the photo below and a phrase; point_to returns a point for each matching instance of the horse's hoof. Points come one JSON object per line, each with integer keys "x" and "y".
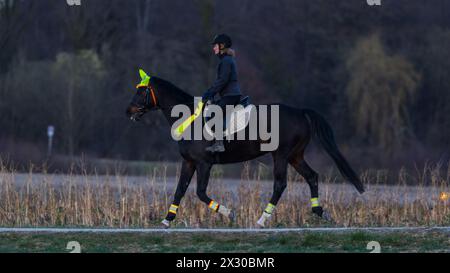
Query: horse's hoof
{"x": 326, "y": 216}
{"x": 165, "y": 224}
{"x": 260, "y": 223}
{"x": 232, "y": 216}
{"x": 318, "y": 211}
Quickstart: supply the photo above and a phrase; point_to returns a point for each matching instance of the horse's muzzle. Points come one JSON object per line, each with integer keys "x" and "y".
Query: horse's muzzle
{"x": 134, "y": 113}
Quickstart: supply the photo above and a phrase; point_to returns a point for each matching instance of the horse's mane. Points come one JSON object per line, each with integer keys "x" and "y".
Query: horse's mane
{"x": 170, "y": 87}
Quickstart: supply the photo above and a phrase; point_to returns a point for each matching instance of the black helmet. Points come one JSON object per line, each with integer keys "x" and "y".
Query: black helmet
{"x": 222, "y": 39}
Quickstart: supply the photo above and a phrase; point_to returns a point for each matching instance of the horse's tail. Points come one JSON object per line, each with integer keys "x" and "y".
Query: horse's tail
{"x": 322, "y": 130}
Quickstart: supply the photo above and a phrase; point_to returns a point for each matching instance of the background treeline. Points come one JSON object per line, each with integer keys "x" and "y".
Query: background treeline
{"x": 380, "y": 75}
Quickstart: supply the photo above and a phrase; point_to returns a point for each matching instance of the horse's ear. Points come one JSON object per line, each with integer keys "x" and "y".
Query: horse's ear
{"x": 143, "y": 74}
{"x": 145, "y": 79}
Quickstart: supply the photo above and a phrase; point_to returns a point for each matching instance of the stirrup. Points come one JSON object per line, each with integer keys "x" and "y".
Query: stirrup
{"x": 216, "y": 147}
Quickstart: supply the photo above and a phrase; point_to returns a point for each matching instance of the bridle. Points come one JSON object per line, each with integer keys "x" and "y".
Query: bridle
{"x": 152, "y": 94}
{"x": 149, "y": 93}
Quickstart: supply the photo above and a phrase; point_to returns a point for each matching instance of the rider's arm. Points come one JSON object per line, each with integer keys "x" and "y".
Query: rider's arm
{"x": 222, "y": 78}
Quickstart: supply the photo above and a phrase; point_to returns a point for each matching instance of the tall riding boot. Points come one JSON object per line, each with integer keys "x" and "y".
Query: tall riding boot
{"x": 216, "y": 147}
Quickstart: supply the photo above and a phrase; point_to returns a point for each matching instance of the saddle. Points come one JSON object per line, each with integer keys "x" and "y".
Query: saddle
{"x": 238, "y": 120}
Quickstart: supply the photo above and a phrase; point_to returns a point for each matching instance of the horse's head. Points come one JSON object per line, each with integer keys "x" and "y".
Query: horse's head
{"x": 143, "y": 100}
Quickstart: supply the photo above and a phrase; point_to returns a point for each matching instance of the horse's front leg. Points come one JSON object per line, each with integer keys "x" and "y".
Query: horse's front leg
{"x": 187, "y": 171}
{"x": 203, "y": 172}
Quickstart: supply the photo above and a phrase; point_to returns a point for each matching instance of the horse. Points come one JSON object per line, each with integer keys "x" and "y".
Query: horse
{"x": 296, "y": 128}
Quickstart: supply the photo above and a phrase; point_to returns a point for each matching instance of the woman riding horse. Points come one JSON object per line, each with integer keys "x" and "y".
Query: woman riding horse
{"x": 295, "y": 128}
{"x": 226, "y": 83}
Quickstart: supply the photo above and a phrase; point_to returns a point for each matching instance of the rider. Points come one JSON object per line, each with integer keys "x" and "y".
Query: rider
{"x": 226, "y": 83}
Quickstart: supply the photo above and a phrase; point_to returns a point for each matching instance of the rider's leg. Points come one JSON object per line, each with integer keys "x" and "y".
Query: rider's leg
{"x": 223, "y": 102}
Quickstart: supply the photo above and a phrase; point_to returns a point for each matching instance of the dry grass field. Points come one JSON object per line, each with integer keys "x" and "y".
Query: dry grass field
{"x": 46, "y": 200}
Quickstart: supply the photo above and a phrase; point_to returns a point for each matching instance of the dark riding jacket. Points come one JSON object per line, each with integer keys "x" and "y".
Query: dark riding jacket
{"x": 226, "y": 83}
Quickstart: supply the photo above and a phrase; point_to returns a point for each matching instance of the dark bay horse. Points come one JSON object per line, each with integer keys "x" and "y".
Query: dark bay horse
{"x": 296, "y": 127}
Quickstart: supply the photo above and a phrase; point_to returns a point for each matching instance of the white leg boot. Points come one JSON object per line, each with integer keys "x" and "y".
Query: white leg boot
{"x": 262, "y": 220}
{"x": 166, "y": 224}
{"x": 226, "y": 212}
{"x": 266, "y": 215}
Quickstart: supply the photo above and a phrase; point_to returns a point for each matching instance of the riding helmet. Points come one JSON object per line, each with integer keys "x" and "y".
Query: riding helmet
{"x": 222, "y": 39}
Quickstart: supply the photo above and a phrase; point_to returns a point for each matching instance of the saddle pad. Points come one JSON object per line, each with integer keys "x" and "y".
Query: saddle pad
{"x": 239, "y": 119}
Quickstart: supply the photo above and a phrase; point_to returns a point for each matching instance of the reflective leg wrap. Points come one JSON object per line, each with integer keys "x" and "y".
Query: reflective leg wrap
{"x": 214, "y": 205}
{"x": 315, "y": 202}
{"x": 266, "y": 215}
{"x": 269, "y": 209}
{"x": 172, "y": 213}
{"x": 316, "y": 208}
{"x": 173, "y": 209}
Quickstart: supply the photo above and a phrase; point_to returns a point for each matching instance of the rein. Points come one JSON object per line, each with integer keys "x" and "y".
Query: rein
{"x": 186, "y": 123}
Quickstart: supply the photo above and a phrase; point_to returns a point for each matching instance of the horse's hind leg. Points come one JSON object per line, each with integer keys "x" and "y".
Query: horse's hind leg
{"x": 280, "y": 183}
{"x": 311, "y": 177}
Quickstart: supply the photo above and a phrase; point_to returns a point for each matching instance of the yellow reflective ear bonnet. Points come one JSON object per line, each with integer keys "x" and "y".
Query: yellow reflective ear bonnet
{"x": 145, "y": 79}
